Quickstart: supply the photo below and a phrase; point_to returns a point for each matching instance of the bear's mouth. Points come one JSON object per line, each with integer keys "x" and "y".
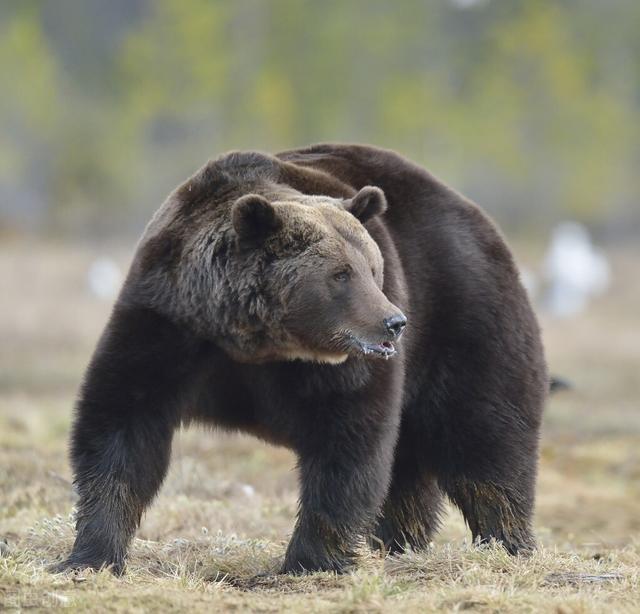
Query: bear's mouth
{"x": 385, "y": 349}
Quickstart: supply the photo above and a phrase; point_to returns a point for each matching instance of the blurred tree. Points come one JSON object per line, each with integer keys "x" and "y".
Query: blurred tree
{"x": 531, "y": 107}
{"x": 29, "y": 114}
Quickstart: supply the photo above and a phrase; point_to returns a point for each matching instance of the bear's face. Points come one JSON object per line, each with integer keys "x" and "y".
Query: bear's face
{"x": 327, "y": 272}
{"x": 274, "y": 275}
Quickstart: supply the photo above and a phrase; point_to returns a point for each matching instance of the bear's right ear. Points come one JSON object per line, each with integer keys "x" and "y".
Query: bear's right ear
{"x": 254, "y": 218}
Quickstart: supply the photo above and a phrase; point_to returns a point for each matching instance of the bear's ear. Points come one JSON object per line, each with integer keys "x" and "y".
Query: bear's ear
{"x": 367, "y": 203}
{"x": 254, "y": 218}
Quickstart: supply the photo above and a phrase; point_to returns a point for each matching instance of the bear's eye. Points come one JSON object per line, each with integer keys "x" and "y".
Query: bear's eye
{"x": 342, "y": 275}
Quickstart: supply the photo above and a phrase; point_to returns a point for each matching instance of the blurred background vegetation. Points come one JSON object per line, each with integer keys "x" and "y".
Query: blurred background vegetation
{"x": 532, "y": 108}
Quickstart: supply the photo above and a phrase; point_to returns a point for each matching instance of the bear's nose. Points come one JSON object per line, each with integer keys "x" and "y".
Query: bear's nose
{"x": 395, "y": 324}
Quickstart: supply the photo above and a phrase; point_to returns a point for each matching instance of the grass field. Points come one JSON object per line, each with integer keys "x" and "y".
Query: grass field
{"x": 218, "y": 530}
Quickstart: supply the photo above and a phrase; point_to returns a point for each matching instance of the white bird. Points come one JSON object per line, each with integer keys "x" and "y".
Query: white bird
{"x": 104, "y": 278}
{"x": 529, "y": 280}
{"x": 575, "y": 271}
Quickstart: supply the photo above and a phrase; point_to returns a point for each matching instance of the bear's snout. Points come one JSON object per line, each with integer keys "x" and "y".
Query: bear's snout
{"x": 395, "y": 325}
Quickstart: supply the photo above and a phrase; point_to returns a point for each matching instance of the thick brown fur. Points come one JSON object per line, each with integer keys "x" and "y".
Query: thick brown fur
{"x": 256, "y": 298}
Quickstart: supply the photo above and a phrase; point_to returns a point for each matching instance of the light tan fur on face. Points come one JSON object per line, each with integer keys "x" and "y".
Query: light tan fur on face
{"x": 332, "y": 232}
{"x": 319, "y": 357}
{"x": 325, "y": 217}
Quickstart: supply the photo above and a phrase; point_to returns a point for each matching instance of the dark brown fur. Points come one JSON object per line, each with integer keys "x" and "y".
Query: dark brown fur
{"x": 223, "y": 293}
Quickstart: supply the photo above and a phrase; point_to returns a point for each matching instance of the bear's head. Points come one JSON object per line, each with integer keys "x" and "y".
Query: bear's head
{"x": 278, "y": 275}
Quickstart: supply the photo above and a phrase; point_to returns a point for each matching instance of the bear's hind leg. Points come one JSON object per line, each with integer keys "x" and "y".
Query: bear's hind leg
{"x": 411, "y": 513}
{"x": 495, "y": 511}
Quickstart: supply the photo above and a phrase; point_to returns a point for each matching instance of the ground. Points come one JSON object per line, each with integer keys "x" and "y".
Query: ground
{"x": 219, "y": 527}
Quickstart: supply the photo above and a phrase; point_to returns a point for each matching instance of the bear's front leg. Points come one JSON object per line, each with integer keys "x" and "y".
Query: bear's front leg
{"x": 339, "y": 503}
{"x": 125, "y": 418}
{"x": 344, "y": 477}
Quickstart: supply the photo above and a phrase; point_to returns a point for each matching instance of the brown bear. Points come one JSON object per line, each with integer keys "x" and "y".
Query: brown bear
{"x": 261, "y": 298}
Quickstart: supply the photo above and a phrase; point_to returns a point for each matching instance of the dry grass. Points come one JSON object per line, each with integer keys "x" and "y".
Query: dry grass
{"x": 218, "y": 530}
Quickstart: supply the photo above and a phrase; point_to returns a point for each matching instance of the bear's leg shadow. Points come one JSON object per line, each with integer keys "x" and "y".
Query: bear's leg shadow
{"x": 344, "y": 477}
{"x": 121, "y": 440}
{"x": 411, "y": 512}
